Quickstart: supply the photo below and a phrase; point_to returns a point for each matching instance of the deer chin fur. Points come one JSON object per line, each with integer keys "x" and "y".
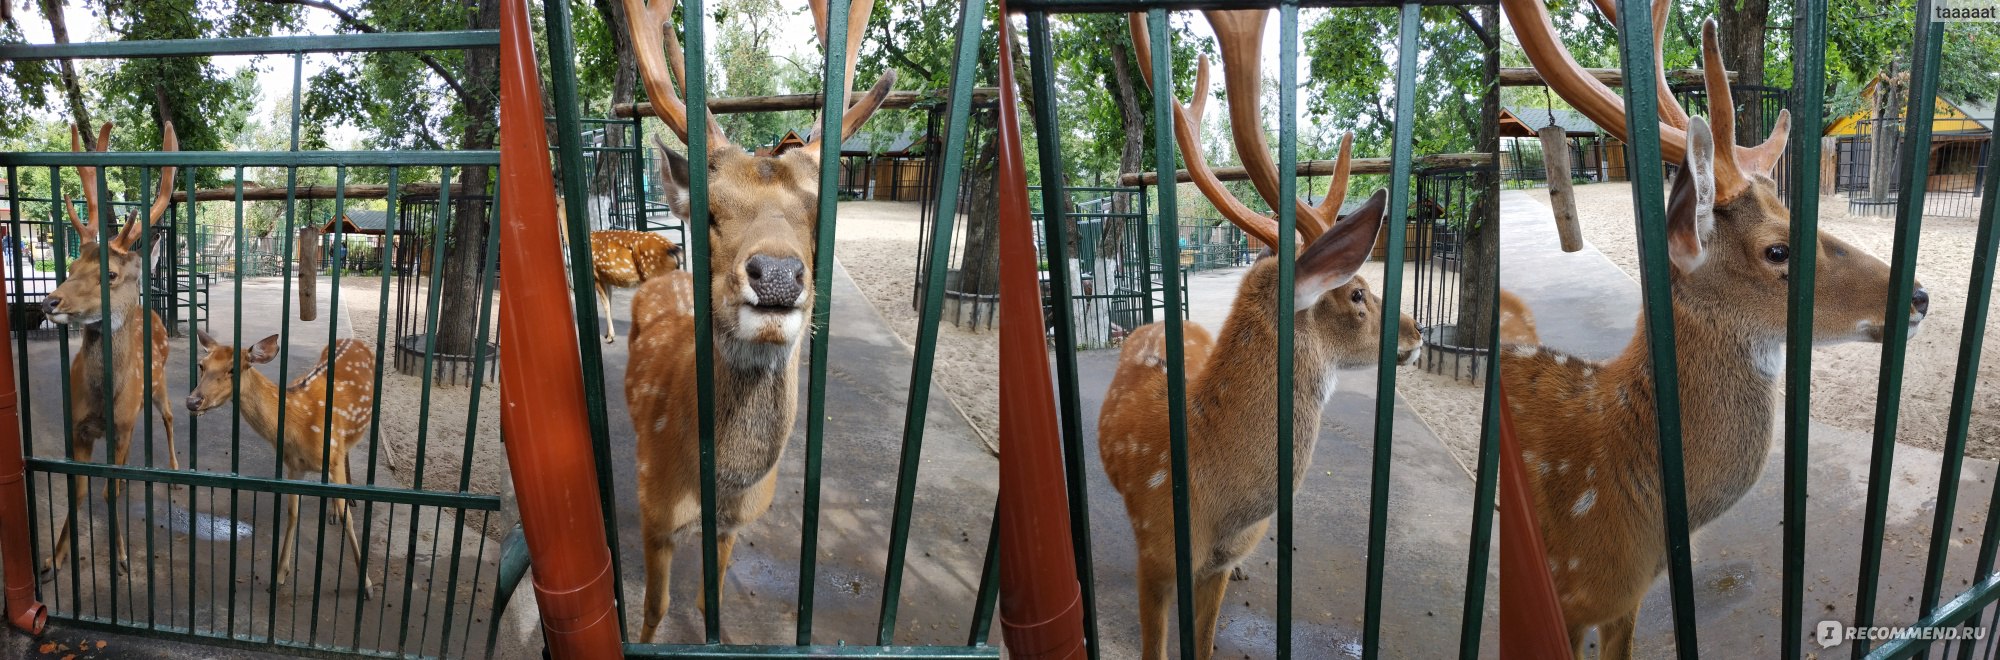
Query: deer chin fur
{"x": 763, "y": 340}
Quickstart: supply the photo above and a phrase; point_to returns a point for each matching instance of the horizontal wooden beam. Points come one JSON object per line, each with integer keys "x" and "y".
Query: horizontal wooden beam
{"x": 1317, "y": 168}
{"x": 274, "y": 194}
{"x": 723, "y": 106}
{"x": 1528, "y": 77}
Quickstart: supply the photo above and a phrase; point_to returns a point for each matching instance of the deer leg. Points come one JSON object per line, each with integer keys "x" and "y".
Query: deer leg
{"x": 286, "y": 539}
{"x": 166, "y": 412}
{"x": 659, "y": 569}
{"x": 1208, "y": 594}
{"x": 724, "y": 547}
{"x": 610, "y": 329}
{"x": 1614, "y": 639}
{"x": 345, "y": 475}
{"x": 1154, "y": 595}
{"x": 83, "y": 443}
{"x": 121, "y": 448}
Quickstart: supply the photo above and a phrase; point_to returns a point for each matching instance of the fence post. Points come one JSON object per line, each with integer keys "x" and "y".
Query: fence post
{"x": 550, "y": 458}
{"x": 1040, "y": 601}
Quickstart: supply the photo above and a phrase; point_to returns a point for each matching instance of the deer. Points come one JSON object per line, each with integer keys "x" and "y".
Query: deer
{"x": 1231, "y": 377}
{"x": 80, "y": 302}
{"x": 1587, "y": 428}
{"x": 763, "y": 217}
{"x": 1517, "y": 322}
{"x": 623, "y": 259}
{"x": 304, "y": 442}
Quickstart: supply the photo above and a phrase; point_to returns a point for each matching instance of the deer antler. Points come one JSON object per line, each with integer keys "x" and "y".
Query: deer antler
{"x": 86, "y": 229}
{"x": 1531, "y": 22}
{"x": 169, "y": 142}
{"x": 1240, "y": 35}
{"x": 857, "y": 110}
{"x": 648, "y": 20}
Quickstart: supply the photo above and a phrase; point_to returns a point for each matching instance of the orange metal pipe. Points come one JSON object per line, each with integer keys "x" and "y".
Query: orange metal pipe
{"x": 1531, "y": 621}
{"x": 16, "y": 552}
{"x": 541, "y": 377}
{"x": 1041, "y": 613}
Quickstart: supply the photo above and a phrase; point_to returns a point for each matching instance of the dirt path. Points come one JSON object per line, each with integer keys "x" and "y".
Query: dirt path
{"x": 1845, "y": 376}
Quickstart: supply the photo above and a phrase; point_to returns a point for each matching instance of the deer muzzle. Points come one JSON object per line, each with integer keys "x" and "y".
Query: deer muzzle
{"x": 775, "y": 282}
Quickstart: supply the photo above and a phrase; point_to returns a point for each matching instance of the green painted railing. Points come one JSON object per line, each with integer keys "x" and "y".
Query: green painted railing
{"x": 200, "y": 575}
{"x": 1055, "y": 192}
{"x": 569, "y": 154}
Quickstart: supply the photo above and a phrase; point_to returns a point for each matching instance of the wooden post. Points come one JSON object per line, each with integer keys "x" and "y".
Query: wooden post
{"x": 1555, "y": 161}
{"x": 308, "y": 273}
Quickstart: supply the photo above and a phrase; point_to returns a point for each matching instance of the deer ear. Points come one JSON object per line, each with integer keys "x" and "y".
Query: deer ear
{"x": 1333, "y": 258}
{"x": 674, "y": 176}
{"x": 1691, "y": 211}
{"x": 207, "y": 343}
{"x": 264, "y": 351}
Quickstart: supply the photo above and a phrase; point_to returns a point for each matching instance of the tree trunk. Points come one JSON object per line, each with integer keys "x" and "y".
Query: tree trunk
{"x": 1742, "y": 34}
{"x": 624, "y": 79}
{"x": 979, "y": 267}
{"x": 1481, "y": 270}
{"x": 1132, "y": 156}
{"x": 59, "y": 28}
{"x": 1885, "y": 138}
{"x": 458, "y": 321}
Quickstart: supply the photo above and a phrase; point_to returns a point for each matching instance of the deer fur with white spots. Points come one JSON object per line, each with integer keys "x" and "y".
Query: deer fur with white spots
{"x": 1587, "y": 429}
{"x": 622, "y": 259}
{"x": 763, "y": 216}
{"x": 79, "y": 302}
{"x": 1231, "y": 379}
{"x": 308, "y": 446}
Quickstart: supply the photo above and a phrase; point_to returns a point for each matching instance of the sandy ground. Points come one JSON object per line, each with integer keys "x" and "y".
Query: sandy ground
{"x": 877, "y": 242}
{"x": 1845, "y": 376}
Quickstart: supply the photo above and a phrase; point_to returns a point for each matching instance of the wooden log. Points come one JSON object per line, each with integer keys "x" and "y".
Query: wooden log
{"x": 308, "y": 273}
{"x": 258, "y": 193}
{"x": 981, "y": 96}
{"x": 1521, "y": 76}
{"x": 1562, "y": 198}
{"x": 1317, "y": 168}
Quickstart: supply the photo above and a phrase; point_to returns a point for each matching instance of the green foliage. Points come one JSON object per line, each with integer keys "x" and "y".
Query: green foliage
{"x": 27, "y": 85}
{"x": 396, "y": 98}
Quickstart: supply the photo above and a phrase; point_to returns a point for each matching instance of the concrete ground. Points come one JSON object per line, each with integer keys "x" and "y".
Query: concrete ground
{"x": 1586, "y": 305}
{"x": 203, "y": 560}
{"x": 957, "y": 486}
{"x": 1430, "y": 507}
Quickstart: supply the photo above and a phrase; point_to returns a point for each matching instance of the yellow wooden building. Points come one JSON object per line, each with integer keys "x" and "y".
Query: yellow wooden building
{"x": 1961, "y": 138}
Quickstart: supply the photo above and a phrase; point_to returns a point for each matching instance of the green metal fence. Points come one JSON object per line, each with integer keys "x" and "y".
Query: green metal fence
{"x": 201, "y": 564}
{"x": 1054, "y": 190}
{"x": 570, "y": 154}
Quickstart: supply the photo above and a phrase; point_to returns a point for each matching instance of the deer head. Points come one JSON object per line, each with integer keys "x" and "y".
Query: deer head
{"x": 219, "y": 363}
{"x": 763, "y": 210}
{"x": 1728, "y": 230}
{"x": 1333, "y": 247}
{"x": 78, "y": 300}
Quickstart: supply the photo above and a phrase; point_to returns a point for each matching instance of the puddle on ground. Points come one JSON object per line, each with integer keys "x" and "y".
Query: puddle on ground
{"x": 1730, "y": 582}
{"x": 207, "y": 527}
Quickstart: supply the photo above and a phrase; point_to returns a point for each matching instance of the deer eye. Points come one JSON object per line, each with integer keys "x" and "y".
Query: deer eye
{"x": 1778, "y": 253}
{"x": 1359, "y": 295}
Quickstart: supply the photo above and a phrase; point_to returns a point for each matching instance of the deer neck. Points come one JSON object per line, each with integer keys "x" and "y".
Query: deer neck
{"x": 258, "y": 404}
{"x": 1728, "y": 386}
{"x": 1235, "y": 397}
{"x": 754, "y": 409}
{"x": 127, "y": 341}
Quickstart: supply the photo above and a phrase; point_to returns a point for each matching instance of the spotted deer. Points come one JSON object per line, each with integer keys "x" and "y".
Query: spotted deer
{"x": 623, "y": 259}
{"x": 1517, "y": 322}
{"x": 763, "y": 213}
{"x": 80, "y": 303}
{"x": 1231, "y": 377}
{"x": 1587, "y": 429}
{"x": 306, "y": 444}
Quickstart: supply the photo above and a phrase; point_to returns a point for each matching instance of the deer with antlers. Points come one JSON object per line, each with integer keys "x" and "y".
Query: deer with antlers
{"x": 1587, "y": 429}
{"x": 763, "y": 214}
{"x": 80, "y": 302}
{"x": 1231, "y": 380}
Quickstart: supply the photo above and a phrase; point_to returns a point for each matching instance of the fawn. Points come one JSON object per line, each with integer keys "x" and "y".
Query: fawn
{"x": 1231, "y": 384}
{"x": 79, "y": 302}
{"x": 348, "y": 367}
{"x": 1587, "y": 428}
{"x": 763, "y": 216}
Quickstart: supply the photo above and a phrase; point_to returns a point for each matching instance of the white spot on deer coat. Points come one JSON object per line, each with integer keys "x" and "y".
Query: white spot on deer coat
{"x": 1526, "y": 351}
{"x": 1768, "y": 358}
{"x": 1561, "y": 359}
{"x": 1583, "y": 504}
{"x": 1574, "y": 562}
{"x": 1158, "y": 479}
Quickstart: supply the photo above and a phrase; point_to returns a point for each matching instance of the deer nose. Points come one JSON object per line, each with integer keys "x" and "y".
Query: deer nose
{"x": 777, "y": 281}
{"x": 194, "y": 401}
{"x": 50, "y": 303}
{"x": 1921, "y": 302}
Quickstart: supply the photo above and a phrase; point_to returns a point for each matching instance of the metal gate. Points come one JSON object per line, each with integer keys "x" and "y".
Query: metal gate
{"x": 200, "y": 537}
{"x": 1070, "y": 334}
{"x": 979, "y": 591}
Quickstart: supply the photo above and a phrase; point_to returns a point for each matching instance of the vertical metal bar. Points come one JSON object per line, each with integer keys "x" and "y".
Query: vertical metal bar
{"x": 1896, "y": 336}
{"x": 194, "y": 375}
{"x": 236, "y": 397}
{"x": 1809, "y": 81}
{"x": 146, "y": 412}
{"x": 989, "y": 582}
{"x": 833, "y": 98}
{"x": 1055, "y": 208}
{"x": 1636, "y": 54}
{"x": 1485, "y": 483}
{"x": 971, "y": 13}
{"x": 438, "y": 232}
{"x": 105, "y": 217}
{"x": 387, "y": 261}
{"x": 491, "y": 266}
{"x": 569, "y": 154}
{"x": 326, "y": 408}
{"x": 1982, "y": 269}
{"x": 1145, "y": 256}
{"x": 1392, "y": 292}
{"x": 1288, "y": 159}
{"x": 1164, "y": 157}
{"x": 698, "y": 251}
